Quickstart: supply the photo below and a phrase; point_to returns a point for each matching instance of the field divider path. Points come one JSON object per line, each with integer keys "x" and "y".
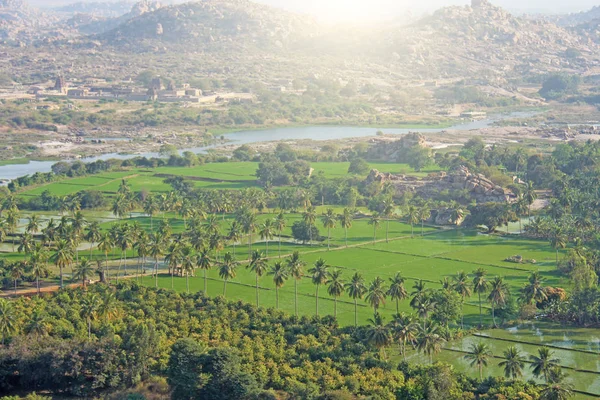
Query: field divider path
{"x": 483, "y": 336}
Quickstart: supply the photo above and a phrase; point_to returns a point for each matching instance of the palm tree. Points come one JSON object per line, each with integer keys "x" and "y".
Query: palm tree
{"x": 280, "y": 224}
{"x": 156, "y": 249}
{"x": 498, "y": 296}
{"x": 412, "y": 214}
{"x": 12, "y": 220}
{"x": 319, "y": 275}
{"x": 345, "y": 219}
{"x": 336, "y": 287}
{"x": 142, "y": 246}
{"x": 376, "y": 294}
{"x": 78, "y": 223}
{"x": 16, "y": 272}
{"x": 378, "y": 334}
{"x": 309, "y": 216}
{"x": 39, "y": 267}
{"x": 457, "y": 212}
{"x": 356, "y": 289}
{"x": 173, "y": 259}
{"x": 33, "y": 226}
{"x": 424, "y": 307}
{"x": 150, "y": 208}
{"x": 463, "y": 288}
{"x": 187, "y": 265}
{"x": 479, "y": 356}
{"x": 429, "y": 341}
{"x": 280, "y": 275}
{"x": 404, "y": 330}
{"x": 521, "y": 208}
{"x": 258, "y": 265}
{"x": 543, "y": 362}
{"x": 63, "y": 257}
{"x": 8, "y": 319}
{"x": 397, "y": 291}
{"x": 227, "y": 270}
{"x": 83, "y": 271}
{"x": 89, "y": 310}
{"x": 26, "y": 243}
{"x": 247, "y": 220}
{"x": 375, "y": 220}
{"x": 108, "y": 307}
{"x": 388, "y": 211}
{"x": 534, "y": 291}
{"x": 295, "y": 265}
{"x": 266, "y": 232}
{"x": 204, "y": 262}
{"x": 329, "y": 220}
{"x": 424, "y": 215}
{"x": 93, "y": 235}
{"x": 480, "y": 286}
{"x": 513, "y": 363}
{"x": 418, "y": 293}
{"x": 105, "y": 245}
{"x": 38, "y": 325}
{"x": 529, "y": 195}
{"x": 558, "y": 241}
{"x": 557, "y": 391}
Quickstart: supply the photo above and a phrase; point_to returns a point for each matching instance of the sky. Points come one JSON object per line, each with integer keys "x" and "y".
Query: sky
{"x": 370, "y": 10}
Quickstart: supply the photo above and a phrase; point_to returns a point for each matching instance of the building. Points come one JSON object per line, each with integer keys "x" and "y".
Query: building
{"x": 77, "y": 92}
{"x": 60, "y": 85}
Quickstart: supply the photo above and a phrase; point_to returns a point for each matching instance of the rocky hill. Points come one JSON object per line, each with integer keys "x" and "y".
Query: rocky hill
{"x": 21, "y": 23}
{"x": 213, "y": 25}
{"x": 571, "y": 20}
{"x": 90, "y": 24}
{"x": 96, "y": 9}
{"x": 466, "y": 41}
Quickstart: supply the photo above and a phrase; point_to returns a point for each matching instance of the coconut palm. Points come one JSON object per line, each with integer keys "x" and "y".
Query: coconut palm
{"x": 234, "y": 235}
{"x": 26, "y": 244}
{"x": 93, "y": 235}
{"x": 78, "y": 223}
{"x": 378, "y": 334}
{"x": 424, "y": 215}
{"x": 150, "y": 207}
{"x": 376, "y": 294}
{"x": 8, "y": 319}
{"x": 63, "y": 257}
{"x": 33, "y": 226}
{"x": 412, "y": 214}
{"x": 345, "y": 219}
{"x": 105, "y": 245}
{"x": 397, "y": 291}
{"x": 228, "y": 270}
{"x": 389, "y": 208}
{"x": 12, "y": 220}
{"x": 258, "y": 265}
{"x": 480, "y": 286}
{"x": 296, "y": 265}
{"x": 499, "y": 292}
{"x": 280, "y": 224}
{"x": 479, "y": 356}
{"x": 89, "y": 310}
{"x": 39, "y": 267}
{"x": 319, "y": 276}
{"x": 529, "y": 195}
{"x": 108, "y": 307}
{"x": 404, "y": 331}
{"x": 513, "y": 363}
{"x": 356, "y": 289}
{"x": 557, "y": 391}
{"x": 534, "y": 291}
{"x": 266, "y": 232}
{"x": 429, "y": 341}
{"x": 142, "y": 247}
{"x": 336, "y": 287}
{"x": 16, "y": 271}
{"x": 155, "y": 250}
{"x": 187, "y": 264}
{"x": 173, "y": 259}
{"x": 280, "y": 275}
{"x": 329, "y": 220}
{"x": 375, "y": 221}
{"x": 247, "y": 220}
{"x": 38, "y": 325}
{"x": 310, "y": 216}
{"x": 204, "y": 262}
{"x": 457, "y": 212}
{"x": 418, "y": 293}
{"x": 84, "y": 271}
{"x": 463, "y": 288}
{"x": 558, "y": 241}
{"x": 543, "y": 363}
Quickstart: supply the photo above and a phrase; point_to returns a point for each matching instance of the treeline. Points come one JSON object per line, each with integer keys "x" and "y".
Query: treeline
{"x": 85, "y": 342}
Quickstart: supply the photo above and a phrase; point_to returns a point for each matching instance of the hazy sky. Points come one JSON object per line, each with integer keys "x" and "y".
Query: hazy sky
{"x": 353, "y": 10}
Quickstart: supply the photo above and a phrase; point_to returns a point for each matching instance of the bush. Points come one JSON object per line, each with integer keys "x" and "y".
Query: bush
{"x": 358, "y": 166}
{"x": 302, "y": 233}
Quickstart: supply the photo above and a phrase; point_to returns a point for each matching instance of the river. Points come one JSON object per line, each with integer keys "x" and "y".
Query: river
{"x": 12, "y": 171}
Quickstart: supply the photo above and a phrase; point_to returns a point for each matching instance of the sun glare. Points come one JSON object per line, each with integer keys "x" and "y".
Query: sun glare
{"x": 340, "y": 11}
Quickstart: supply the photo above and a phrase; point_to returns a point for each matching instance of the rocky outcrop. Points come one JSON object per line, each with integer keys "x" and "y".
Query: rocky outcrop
{"x": 395, "y": 151}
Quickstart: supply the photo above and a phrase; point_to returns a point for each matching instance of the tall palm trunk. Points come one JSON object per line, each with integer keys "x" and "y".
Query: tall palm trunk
{"x": 317, "y": 300}
{"x": 355, "y": 312}
{"x": 296, "y": 296}
{"x": 493, "y": 316}
{"x": 279, "y": 247}
{"x": 61, "y": 276}
{"x": 328, "y": 238}
{"x": 37, "y": 283}
{"x": 224, "y": 287}
{"x": 15, "y": 286}
{"x": 335, "y": 307}
{"x": 205, "y": 282}
{"x": 156, "y": 272}
{"x": 422, "y": 228}
{"x": 480, "y": 314}
{"x": 187, "y": 282}
{"x": 257, "y": 299}
{"x": 346, "y": 236}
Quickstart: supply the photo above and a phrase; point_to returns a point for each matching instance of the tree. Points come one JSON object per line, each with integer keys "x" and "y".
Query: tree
{"x": 187, "y": 264}
{"x": 480, "y": 286}
{"x": 376, "y": 294}
{"x": 457, "y": 213}
{"x": 345, "y": 219}
{"x": 258, "y": 265}
{"x": 105, "y": 245}
{"x": 378, "y": 334}
{"x": 319, "y": 275}
{"x": 499, "y": 292}
{"x": 479, "y": 356}
{"x": 266, "y": 232}
{"x": 358, "y": 166}
{"x": 84, "y": 271}
{"x": 157, "y": 247}
{"x": 557, "y": 391}
{"x": 90, "y": 304}
{"x": 336, "y": 287}
{"x": 375, "y": 221}
{"x": 63, "y": 257}
{"x": 356, "y": 289}
{"x": 397, "y": 291}
{"x": 513, "y": 363}
{"x": 8, "y": 319}
{"x": 93, "y": 235}
{"x": 329, "y": 220}
{"x": 280, "y": 275}
{"x": 280, "y": 224}
{"x": 227, "y": 270}
{"x": 534, "y": 291}
{"x": 12, "y": 220}
{"x": 33, "y": 226}
{"x": 412, "y": 213}
{"x": 309, "y": 217}
{"x": 404, "y": 331}
{"x": 172, "y": 259}
{"x": 558, "y": 241}
{"x": 39, "y": 267}
{"x": 204, "y": 262}
{"x": 16, "y": 272}
{"x": 389, "y": 209}
{"x": 184, "y": 370}
{"x": 543, "y": 363}
{"x": 150, "y": 208}
{"x": 429, "y": 341}
{"x": 424, "y": 215}
{"x": 530, "y": 196}
{"x": 296, "y": 265}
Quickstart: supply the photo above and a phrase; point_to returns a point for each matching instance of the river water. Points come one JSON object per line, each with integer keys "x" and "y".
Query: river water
{"x": 13, "y": 171}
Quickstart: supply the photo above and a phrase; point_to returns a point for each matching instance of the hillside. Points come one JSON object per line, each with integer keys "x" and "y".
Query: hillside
{"x": 20, "y": 22}
{"x": 212, "y": 25}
